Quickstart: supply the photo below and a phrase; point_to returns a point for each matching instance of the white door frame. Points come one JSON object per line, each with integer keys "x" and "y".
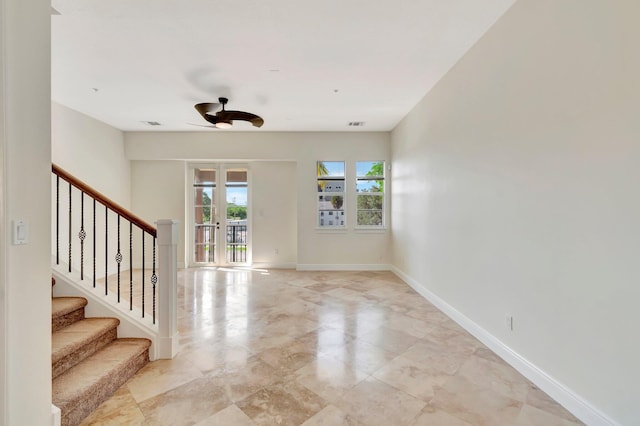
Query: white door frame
{"x": 220, "y": 203}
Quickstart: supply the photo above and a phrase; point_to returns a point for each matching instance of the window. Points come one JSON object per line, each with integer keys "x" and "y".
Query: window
{"x": 331, "y": 194}
{"x": 370, "y": 194}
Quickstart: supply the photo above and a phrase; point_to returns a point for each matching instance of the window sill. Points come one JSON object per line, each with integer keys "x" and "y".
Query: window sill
{"x": 333, "y": 230}
{"x": 362, "y": 230}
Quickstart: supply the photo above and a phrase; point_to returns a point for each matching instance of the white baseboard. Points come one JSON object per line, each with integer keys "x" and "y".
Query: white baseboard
{"x": 56, "y": 416}
{"x": 343, "y": 267}
{"x": 556, "y": 390}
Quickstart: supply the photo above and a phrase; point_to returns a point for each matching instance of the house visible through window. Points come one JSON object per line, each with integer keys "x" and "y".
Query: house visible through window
{"x": 370, "y": 194}
{"x": 331, "y": 208}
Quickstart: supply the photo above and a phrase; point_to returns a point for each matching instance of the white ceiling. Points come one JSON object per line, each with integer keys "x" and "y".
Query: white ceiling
{"x": 301, "y": 65}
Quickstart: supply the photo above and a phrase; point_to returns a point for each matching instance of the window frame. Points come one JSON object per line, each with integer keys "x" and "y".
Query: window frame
{"x": 320, "y": 194}
{"x": 382, "y": 194}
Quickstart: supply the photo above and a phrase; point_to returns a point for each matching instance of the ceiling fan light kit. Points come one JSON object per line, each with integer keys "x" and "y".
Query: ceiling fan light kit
{"x": 224, "y": 124}
{"x": 222, "y": 118}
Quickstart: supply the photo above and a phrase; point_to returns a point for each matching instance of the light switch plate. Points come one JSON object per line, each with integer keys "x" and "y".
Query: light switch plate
{"x": 20, "y": 232}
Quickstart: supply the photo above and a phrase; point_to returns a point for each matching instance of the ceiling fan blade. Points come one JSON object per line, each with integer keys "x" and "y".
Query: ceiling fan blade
{"x": 207, "y": 108}
{"x": 257, "y": 121}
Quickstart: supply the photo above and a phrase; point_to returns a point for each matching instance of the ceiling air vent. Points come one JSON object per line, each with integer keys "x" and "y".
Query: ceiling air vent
{"x": 356, "y": 123}
{"x": 152, "y": 123}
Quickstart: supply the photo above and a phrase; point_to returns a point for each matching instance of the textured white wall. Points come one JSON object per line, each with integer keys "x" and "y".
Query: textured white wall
{"x": 312, "y": 248}
{"x": 515, "y": 191}
{"x": 25, "y": 273}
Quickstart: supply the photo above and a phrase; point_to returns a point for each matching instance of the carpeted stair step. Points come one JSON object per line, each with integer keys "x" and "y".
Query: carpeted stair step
{"x": 65, "y": 311}
{"x": 80, "y": 390}
{"x": 74, "y": 343}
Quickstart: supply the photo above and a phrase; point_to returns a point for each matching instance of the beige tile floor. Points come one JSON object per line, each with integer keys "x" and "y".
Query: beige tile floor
{"x": 282, "y": 347}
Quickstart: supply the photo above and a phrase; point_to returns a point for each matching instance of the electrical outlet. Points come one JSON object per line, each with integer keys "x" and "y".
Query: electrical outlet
{"x": 276, "y": 252}
{"x": 508, "y": 322}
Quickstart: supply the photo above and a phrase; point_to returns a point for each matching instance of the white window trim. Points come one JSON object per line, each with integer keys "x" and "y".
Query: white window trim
{"x": 373, "y": 229}
{"x": 343, "y": 193}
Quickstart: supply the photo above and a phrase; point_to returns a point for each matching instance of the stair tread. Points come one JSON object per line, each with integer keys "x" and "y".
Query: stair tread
{"x": 74, "y": 336}
{"x": 74, "y": 384}
{"x": 63, "y": 305}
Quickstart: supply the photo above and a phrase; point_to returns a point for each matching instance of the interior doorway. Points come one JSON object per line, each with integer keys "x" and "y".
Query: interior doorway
{"x": 219, "y": 218}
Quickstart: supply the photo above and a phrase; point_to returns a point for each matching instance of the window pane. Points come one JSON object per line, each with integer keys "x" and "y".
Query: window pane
{"x": 370, "y": 202}
{"x": 331, "y": 180}
{"x": 202, "y": 203}
{"x": 370, "y": 217}
{"x": 370, "y": 190}
{"x": 331, "y": 218}
{"x": 370, "y": 186}
{"x": 331, "y": 168}
{"x": 204, "y": 243}
{"x": 370, "y": 169}
{"x": 335, "y": 185}
{"x": 204, "y": 176}
{"x": 237, "y": 177}
{"x": 334, "y": 202}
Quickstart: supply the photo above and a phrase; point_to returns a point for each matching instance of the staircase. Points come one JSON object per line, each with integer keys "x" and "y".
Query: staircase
{"x": 89, "y": 363}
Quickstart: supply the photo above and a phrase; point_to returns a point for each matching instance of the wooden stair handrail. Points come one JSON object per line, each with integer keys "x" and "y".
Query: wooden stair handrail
{"x": 104, "y": 200}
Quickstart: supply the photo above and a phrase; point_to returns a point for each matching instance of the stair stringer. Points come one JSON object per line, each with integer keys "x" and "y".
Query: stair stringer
{"x": 131, "y": 322}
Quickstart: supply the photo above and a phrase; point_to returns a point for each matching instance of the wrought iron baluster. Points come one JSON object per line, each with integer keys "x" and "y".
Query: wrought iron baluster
{"x": 118, "y": 258}
{"x": 106, "y": 250}
{"x": 154, "y": 280}
{"x": 142, "y": 281}
{"x": 82, "y": 235}
{"x": 57, "y": 220}
{"x": 94, "y": 243}
{"x": 70, "y": 226}
{"x": 244, "y": 241}
{"x": 130, "y": 266}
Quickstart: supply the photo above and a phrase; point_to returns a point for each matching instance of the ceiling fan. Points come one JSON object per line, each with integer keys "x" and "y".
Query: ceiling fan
{"x": 223, "y": 119}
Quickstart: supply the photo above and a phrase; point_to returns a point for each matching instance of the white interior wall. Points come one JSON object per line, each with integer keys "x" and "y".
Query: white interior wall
{"x": 515, "y": 192}
{"x": 340, "y": 249}
{"x": 273, "y": 213}
{"x": 158, "y": 192}
{"x": 160, "y": 188}
{"x": 3, "y": 238}
{"x": 313, "y": 249}
{"x": 92, "y": 151}
{"x": 25, "y": 274}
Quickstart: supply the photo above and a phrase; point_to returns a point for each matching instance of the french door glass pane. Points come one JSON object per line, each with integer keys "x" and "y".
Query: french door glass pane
{"x": 203, "y": 205}
{"x": 204, "y": 215}
{"x": 237, "y": 204}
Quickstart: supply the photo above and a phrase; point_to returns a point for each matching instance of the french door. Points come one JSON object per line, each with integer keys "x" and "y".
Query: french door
{"x": 219, "y": 213}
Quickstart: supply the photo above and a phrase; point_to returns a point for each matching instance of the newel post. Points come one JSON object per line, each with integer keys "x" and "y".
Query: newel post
{"x": 167, "y": 288}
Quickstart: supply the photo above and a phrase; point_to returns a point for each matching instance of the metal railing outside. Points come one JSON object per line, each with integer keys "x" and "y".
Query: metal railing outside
{"x": 236, "y": 242}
